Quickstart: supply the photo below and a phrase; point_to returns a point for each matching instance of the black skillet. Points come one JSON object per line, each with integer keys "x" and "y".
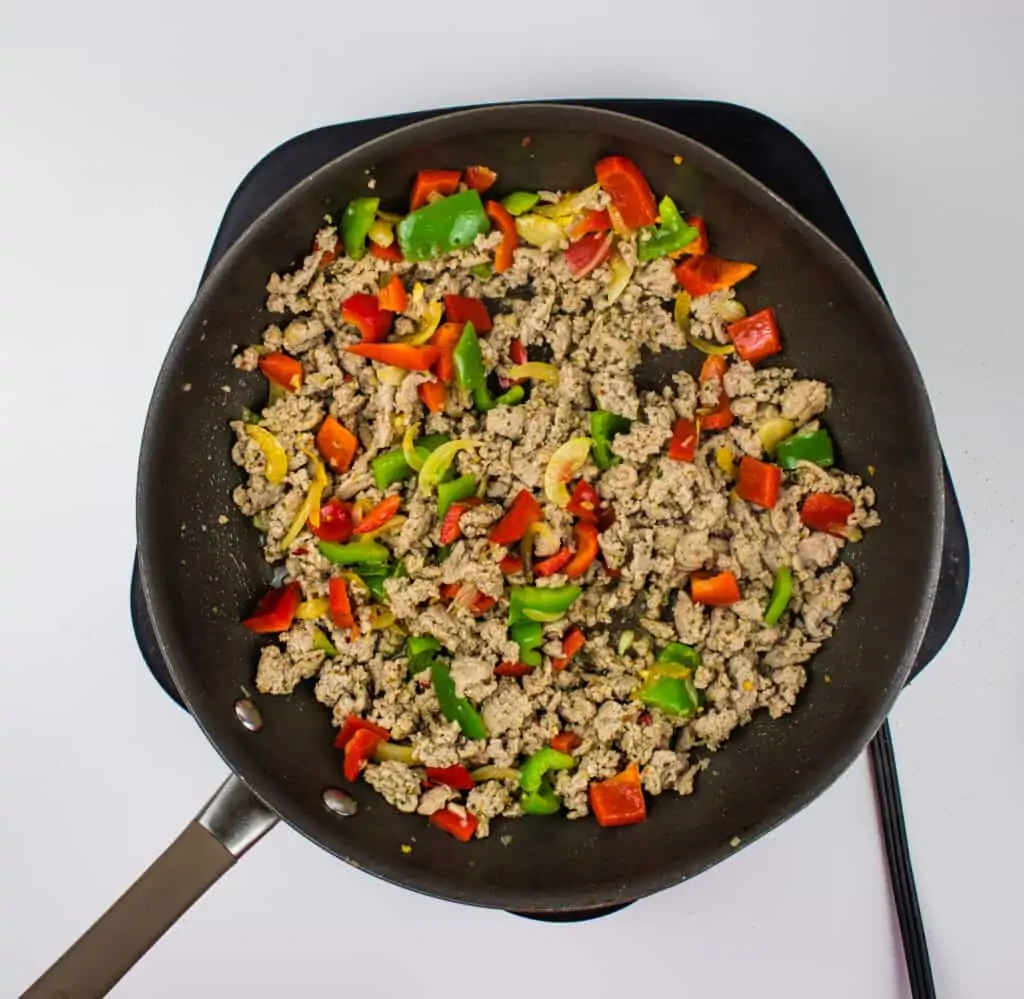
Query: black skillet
{"x": 200, "y": 576}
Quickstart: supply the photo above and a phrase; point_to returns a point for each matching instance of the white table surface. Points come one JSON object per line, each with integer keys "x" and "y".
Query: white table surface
{"x": 124, "y": 128}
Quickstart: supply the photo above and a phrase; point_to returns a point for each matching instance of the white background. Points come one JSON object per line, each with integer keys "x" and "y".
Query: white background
{"x": 124, "y": 128}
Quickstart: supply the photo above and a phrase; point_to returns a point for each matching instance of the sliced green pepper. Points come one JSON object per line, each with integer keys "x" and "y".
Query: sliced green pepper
{"x": 519, "y": 202}
{"x": 482, "y": 271}
{"x": 451, "y": 492}
{"x": 672, "y": 234}
{"x": 678, "y": 654}
{"x": 468, "y": 361}
{"x": 542, "y": 762}
{"x": 673, "y": 695}
{"x": 603, "y": 427}
{"x": 529, "y": 636}
{"x": 543, "y": 801}
{"x": 355, "y": 225}
{"x": 484, "y": 402}
{"x": 391, "y": 467}
{"x": 453, "y": 707}
{"x": 811, "y": 445}
{"x": 353, "y": 553}
{"x": 540, "y": 603}
{"x": 323, "y": 644}
{"x": 421, "y": 651}
{"x": 447, "y": 224}
{"x": 375, "y": 576}
{"x": 782, "y": 593}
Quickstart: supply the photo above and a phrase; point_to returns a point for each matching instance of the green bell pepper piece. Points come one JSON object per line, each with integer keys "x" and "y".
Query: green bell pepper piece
{"x": 543, "y": 801}
{"x": 453, "y": 707}
{"x": 353, "y": 553}
{"x": 421, "y": 651}
{"x": 540, "y": 603}
{"x": 323, "y": 644}
{"x": 484, "y": 402}
{"x": 355, "y": 225}
{"x": 542, "y": 762}
{"x": 811, "y": 445}
{"x": 519, "y": 202}
{"x": 603, "y": 427}
{"x": 782, "y": 593}
{"x": 672, "y": 234}
{"x": 672, "y": 694}
{"x": 529, "y": 636}
{"x": 482, "y": 271}
{"x": 678, "y": 654}
{"x": 375, "y": 576}
{"x": 447, "y": 224}
{"x": 451, "y": 492}
{"x": 468, "y": 361}
{"x": 391, "y": 466}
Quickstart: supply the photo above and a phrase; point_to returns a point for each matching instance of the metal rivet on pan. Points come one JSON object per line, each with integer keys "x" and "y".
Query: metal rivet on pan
{"x": 340, "y": 802}
{"x": 248, "y": 714}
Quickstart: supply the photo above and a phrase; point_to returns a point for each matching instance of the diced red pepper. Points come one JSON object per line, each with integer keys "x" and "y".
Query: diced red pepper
{"x": 524, "y": 511}
{"x": 826, "y": 512}
{"x": 715, "y": 589}
{"x": 683, "y": 446}
{"x": 392, "y": 253}
{"x": 572, "y": 641}
{"x": 553, "y": 563}
{"x": 398, "y": 355}
{"x": 628, "y": 188}
{"x": 587, "y": 549}
{"x": 379, "y": 515}
{"x": 282, "y": 370}
{"x": 505, "y": 253}
{"x": 511, "y": 564}
{"x": 513, "y": 669}
{"x": 480, "y": 604}
{"x": 353, "y": 724}
{"x": 588, "y": 253}
{"x": 276, "y": 610}
{"x": 393, "y": 296}
{"x": 456, "y": 824}
{"x": 451, "y": 529}
{"x": 756, "y": 337}
{"x": 707, "y": 273}
{"x": 457, "y": 777}
{"x": 480, "y": 178}
{"x": 759, "y": 482}
{"x": 428, "y": 182}
{"x": 619, "y": 801}
{"x": 364, "y": 312}
{"x": 466, "y": 309}
{"x": 335, "y": 522}
{"x": 336, "y": 444}
{"x": 592, "y": 220}
{"x": 700, "y": 245}
{"x": 713, "y": 370}
{"x": 585, "y": 503}
{"x": 517, "y": 352}
{"x": 445, "y": 339}
{"x": 358, "y": 751}
{"x": 341, "y": 606}
{"x": 566, "y": 742}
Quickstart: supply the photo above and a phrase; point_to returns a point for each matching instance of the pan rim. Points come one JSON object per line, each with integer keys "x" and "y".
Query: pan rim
{"x": 616, "y": 124}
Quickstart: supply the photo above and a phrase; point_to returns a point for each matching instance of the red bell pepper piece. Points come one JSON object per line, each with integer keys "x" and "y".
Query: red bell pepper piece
{"x": 341, "y": 606}
{"x": 700, "y": 245}
{"x": 566, "y": 742}
{"x": 588, "y": 253}
{"x": 759, "y": 482}
{"x": 466, "y": 309}
{"x": 587, "y": 549}
{"x": 379, "y": 515}
{"x": 276, "y": 610}
{"x": 428, "y": 182}
{"x": 398, "y": 355}
{"x": 517, "y": 352}
{"x": 585, "y": 504}
{"x": 282, "y": 370}
{"x": 619, "y": 801}
{"x": 433, "y": 395}
{"x": 713, "y": 370}
{"x": 513, "y": 669}
{"x": 364, "y": 312}
{"x": 480, "y": 604}
{"x": 457, "y": 777}
{"x": 393, "y": 296}
{"x": 497, "y": 213}
{"x": 715, "y": 589}
{"x": 353, "y": 724}
{"x": 628, "y": 188}
{"x": 392, "y": 253}
{"x": 455, "y": 823}
{"x": 335, "y": 522}
{"x": 511, "y": 564}
{"x": 707, "y": 273}
{"x": 592, "y": 220}
{"x": 683, "y": 446}
{"x": 451, "y": 528}
{"x": 358, "y": 751}
{"x": 756, "y": 337}
{"x": 523, "y": 512}
{"x": 572, "y": 641}
{"x": 336, "y": 444}
{"x": 826, "y": 512}
{"x": 554, "y": 563}
{"x": 445, "y": 339}
{"x": 480, "y": 178}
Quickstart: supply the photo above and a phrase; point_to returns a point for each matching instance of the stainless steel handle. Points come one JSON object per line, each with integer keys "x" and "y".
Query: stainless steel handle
{"x": 231, "y": 822}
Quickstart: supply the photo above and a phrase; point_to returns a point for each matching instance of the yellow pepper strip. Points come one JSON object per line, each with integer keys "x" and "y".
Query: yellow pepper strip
{"x": 621, "y": 272}
{"x": 773, "y": 432}
{"x": 412, "y": 459}
{"x": 539, "y": 231}
{"x": 562, "y": 466}
{"x": 681, "y": 311}
{"x": 311, "y": 610}
{"x": 440, "y": 461}
{"x": 381, "y": 618}
{"x": 427, "y": 325}
{"x": 569, "y": 206}
{"x": 395, "y": 751}
{"x": 537, "y": 370}
{"x": 382, "y": 233}
{"x": 726, "y": 461}
{"x": 356, "y": 584}
{"x": 277, "y": 460}
{"x": 494, "y": 773}
{"x": 389, "y": 217}
{"x": 388, "y": 374}
{"x": 418, "y": 291}
{"x": 386, "y": 528}
{"x": 709, "y": 346}
{"x": 310, "y": 507}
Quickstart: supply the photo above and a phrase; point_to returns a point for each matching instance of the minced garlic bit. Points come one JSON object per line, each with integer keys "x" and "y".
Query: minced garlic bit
{"x": 406, "y": 848}
{"x": 828, "y": 677}
{"x": 225, "y": 388}
{"x": 222, "y": 519}
{"x": 735, "y": 842}
{"x": 187, "y": 387}
{"x": 871, "y": 469}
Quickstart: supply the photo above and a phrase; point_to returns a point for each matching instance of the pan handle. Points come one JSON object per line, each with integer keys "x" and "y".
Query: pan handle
{"x": 232, "y": 821}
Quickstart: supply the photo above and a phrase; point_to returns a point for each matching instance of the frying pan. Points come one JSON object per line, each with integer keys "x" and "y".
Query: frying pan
{"x": 199, "y": 576}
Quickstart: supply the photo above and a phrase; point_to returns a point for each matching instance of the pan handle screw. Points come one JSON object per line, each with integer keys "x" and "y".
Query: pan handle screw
{"x": 248, "y": 714}
{"x": 340, "y": 802}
